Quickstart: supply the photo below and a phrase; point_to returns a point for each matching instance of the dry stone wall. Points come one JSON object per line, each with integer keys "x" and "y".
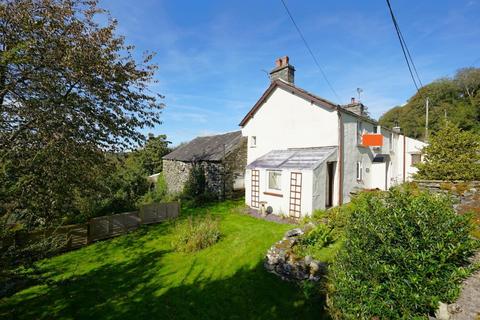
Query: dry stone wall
{"x": 176, "y": 175}
{"x": 466, "y": 194}
{"x": 282, "y": 261}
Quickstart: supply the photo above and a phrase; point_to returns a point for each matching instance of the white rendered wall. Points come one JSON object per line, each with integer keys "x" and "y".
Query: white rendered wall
{"x": 400, "y": 153}
{"x": 281, "y": 204}
{"x": 289, "y": 121}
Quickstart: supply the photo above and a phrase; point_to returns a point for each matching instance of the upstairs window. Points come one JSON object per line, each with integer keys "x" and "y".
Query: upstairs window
{"x": 253, "y": 141}
{"x": 416, "y": 158}
{"x": 359, "y": 132}
{"x": 275, "y": 180}
{"x": 359, "y": 171}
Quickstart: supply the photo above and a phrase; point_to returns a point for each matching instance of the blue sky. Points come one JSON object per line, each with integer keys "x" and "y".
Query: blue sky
{"x": 213, "y": 55}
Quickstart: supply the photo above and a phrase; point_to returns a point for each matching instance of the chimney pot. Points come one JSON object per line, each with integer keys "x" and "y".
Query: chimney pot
{"x": 353, "y": 100}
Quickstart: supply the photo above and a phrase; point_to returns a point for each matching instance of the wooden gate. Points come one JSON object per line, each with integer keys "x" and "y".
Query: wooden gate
{"x": 295, "y": 194}
{"x": 255, "y": 188}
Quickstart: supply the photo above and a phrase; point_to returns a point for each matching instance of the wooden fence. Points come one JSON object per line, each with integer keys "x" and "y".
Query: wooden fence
{"x": 104, "y": 227}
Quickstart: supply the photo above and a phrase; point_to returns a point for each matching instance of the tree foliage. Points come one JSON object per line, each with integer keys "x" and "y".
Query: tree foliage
{"x": 456, "y": 99}
{"x": 150, "y": 156}
{"x": 70, "y": 89}
{"x": 452, "y": 154}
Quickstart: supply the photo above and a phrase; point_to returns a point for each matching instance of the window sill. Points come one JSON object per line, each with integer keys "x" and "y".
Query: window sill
{"x": 273, "y": 194}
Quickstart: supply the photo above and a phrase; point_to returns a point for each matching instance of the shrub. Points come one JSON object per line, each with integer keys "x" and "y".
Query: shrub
{"x": 452, "y": 154}
{"x": 404, "y": 251}
{"x": 158, "y": 193}
{"x": 194, "y": 234}
{"x": 326, "y": 238}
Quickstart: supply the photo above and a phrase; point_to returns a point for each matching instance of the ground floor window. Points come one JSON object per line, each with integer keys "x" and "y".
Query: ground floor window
{"x": 274, "y": 180}
{"x": 359, "y": 171}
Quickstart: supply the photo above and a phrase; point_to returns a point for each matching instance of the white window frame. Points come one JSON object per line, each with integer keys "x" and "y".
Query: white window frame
{"x": 359, "y": 132}
{"x": 412, "y": 155}
{"x": 253, "y": 141}
{"x": 359, "y": 171}
{"x": 279, "y": 182}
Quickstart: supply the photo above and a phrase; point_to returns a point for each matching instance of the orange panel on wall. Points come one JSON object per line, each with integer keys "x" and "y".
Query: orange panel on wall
{"x": 372, "y": 140}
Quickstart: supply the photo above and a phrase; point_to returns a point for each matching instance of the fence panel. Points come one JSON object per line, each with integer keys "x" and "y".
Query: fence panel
{"x": 157, "y": 212}
{"x": 100, "y": 228}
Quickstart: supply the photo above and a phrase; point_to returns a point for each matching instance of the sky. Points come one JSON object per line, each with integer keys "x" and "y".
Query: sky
{"x": 213, "y": 56}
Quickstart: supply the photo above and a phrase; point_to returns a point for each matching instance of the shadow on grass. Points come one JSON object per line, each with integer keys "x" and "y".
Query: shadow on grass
{"x": 139, "y": 290}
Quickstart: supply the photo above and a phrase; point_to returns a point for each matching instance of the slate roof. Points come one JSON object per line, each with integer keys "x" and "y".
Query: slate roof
{"x": 297, "y": 158}
{"x": 209, "y": 148}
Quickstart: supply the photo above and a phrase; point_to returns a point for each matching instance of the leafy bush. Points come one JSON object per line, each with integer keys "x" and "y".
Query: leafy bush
{"x": 320, "y": 236}
{"x": 194, "y": 234}
{"x": 404, "y": 251}
{"x": 316, "y": 242}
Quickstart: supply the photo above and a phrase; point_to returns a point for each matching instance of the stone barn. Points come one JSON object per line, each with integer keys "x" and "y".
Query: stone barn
{"x": 223, "y": 158}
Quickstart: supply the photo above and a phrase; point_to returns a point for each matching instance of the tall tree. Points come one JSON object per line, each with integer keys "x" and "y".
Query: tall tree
{"x": 70, "y": 89}
{"x": 150, "y": 156}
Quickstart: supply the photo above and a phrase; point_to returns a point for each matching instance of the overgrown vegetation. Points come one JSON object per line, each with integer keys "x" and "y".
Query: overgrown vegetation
{"x": 456, "y": 99}
{"x": 404, "y": 251}
{"x": 323, "y": 240}
{"x": 452, "y": 154}
{"x": 196, "y": 233}
{"x": 196, "y": 190}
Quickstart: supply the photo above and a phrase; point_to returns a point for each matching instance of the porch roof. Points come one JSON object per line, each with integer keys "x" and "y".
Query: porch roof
{"x": 295, "y": 158}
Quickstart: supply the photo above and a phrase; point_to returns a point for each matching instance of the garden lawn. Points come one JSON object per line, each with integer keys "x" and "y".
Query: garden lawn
{"x": 138, "y": 276}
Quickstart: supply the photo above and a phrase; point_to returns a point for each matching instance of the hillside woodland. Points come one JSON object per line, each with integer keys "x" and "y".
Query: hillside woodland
{"x": 456, "y": 99}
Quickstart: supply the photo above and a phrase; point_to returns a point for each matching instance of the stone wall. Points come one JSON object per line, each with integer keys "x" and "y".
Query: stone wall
{"x": 282, "y": 261}
{"x": 176, "y": 175}
{"x": 465, "y": 194}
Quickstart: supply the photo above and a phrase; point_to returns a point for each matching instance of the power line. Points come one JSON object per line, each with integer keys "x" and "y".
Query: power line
{"x": 308, "y": 48}
{"x": 406, "y": 53}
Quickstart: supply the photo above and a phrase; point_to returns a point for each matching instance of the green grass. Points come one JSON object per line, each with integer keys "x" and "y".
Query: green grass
{"x": 139, "y": 276}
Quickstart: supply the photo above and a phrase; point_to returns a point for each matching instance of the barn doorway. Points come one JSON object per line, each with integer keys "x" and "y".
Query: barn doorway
{"x": 330, "y": 184}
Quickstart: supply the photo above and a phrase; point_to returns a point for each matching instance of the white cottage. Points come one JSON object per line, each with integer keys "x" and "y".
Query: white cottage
{"x": 306, "y": 153}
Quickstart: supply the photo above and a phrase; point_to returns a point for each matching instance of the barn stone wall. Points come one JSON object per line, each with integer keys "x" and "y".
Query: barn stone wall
{"x": 176, "y": 175}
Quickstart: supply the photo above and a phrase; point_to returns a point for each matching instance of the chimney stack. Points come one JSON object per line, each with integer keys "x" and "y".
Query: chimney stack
{"x": 283, "y": 70}
{"x": 356, "y": 107}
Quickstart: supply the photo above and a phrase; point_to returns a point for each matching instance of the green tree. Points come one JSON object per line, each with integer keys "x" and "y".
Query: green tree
{"x": 70, "y": 89}
{"x": 452, "y": 154}
{"x": 150, "y": 156}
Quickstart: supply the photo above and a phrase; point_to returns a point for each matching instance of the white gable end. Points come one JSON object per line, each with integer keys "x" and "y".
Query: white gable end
{"x": 286, "y": 120}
